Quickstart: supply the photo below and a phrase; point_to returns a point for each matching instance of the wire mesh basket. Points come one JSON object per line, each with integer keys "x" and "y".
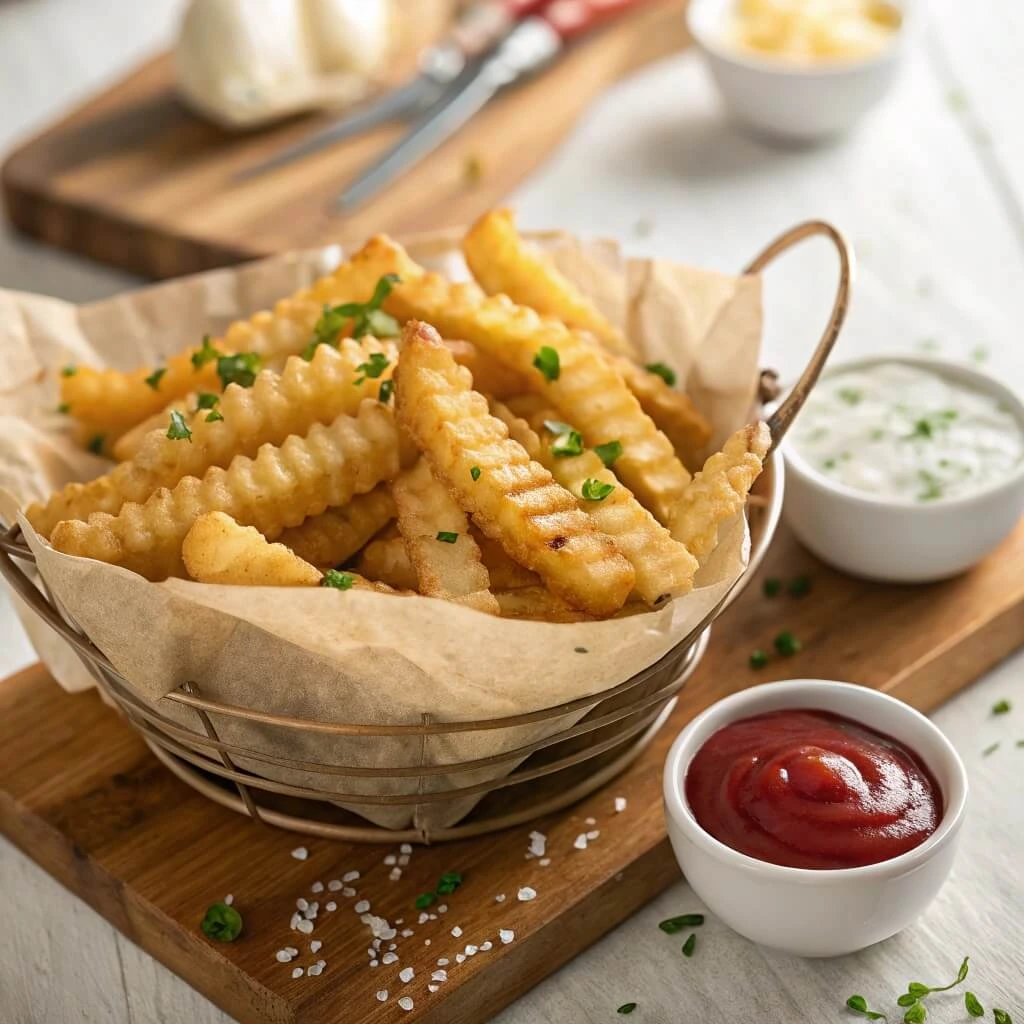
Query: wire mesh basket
{"x": 590, "y": 741}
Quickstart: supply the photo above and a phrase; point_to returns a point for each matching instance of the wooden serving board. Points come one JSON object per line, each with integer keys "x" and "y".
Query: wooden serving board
{"x": 135, "y": 180}
{"x": 82, "y": 795}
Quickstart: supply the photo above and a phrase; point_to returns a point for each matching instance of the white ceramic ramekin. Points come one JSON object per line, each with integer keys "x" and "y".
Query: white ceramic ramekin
{"x": 896, "y": 541}
{"x": 801, "y": 911}
{"x": 795, "y": 102}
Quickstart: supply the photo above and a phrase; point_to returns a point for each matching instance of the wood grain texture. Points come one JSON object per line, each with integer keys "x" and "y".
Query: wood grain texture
{"x": 82, "y": 795}
{"x": 135, "y": 180}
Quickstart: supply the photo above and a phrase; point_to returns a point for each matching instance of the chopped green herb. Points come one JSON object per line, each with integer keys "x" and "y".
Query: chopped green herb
{"x": 240, "y": 368}
{"x": 214, "y": 416}
{"x": 800, "y": 586}
{"x": 338, "y": 580}
{"x": 786, "y": 644}
{"x": 666, "y": 373}
{"x": 449, "y": 882}
{"x": 205, "y": 354}
{"x": 387, "y": 389}
{"x": 64, "y": 408}
{"x": 95, "y": 444}
{"x": 932, "y": 486}
{"x": 772, "y": 586}
{"x": 980, "y": 353}
{"x": 851, "y": 396}
{"x": 596, "y": 490}
{"x": 609, "y": 452}
{"x": 567, "y": 444}
{"x": 206, "y": 400}
{"x": 877, "y": 433}
{"x": 758, "y": 659}
{"x": 860, "y": 1005}
{"x": 818, "y": 434}
{"x": 474, "y": 472}
{"x": 1019, "y": 743}
{"x": 178, "y": 430}
{"x": 973, "y": 1005}
{"x": 1001, "y": 707}
{"x": 929, "y": 345}
{"x": 626, "y": 1008}
{"x": 923, "y": 428}
{"x": 546, "y": 360}
{"x": 69, "y": 370}
{"x": 917, "y": 1014}
{"x": 222, "y": 923}
{"x": 990, "y": 749}
{"x": 447, "y": 537}
{"x": 424, "y": 900}
{"x": 957, "y": 99}
{"x": 672, "y": 925}
{"x": 153, "y": 380}
{"x": 367, "y": 318}
{"x": 1001, "y": 1017}
{"x": 829, "y": 464}
{"x": 373, "y": 367}
{"x": 690, "y": 944}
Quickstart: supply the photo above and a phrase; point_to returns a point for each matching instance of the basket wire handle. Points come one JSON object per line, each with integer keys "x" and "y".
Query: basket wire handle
{"x": 782, "y": 418}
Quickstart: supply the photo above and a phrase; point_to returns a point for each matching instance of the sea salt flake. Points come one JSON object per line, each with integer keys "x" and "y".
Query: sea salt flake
{"x": 229, "y": 899}
{"x": 439, "y": 976}
{"x": 350, "y": 876}
{"x": 405, "y": 848}
{"x": 331, "y": 906}
{"x": 390, "y": 859}
{"x": 348, "y": 892}
{"x": 431, "y": 917}
{"x": 506, "y": 935}
{"x": 457, "y": 931}
{"x": 403, "y": 860}
{"x": 472, "y": 950}
{"x": 334, "y": 884}
{"x": 442, "y": 961}
{"x": 315, "y": 946}
{"x": 296, "y": 918}
{"x": 374, "y": 963}
{"x": 460, "y": 958}
{"x": 301, "y": 903}
{"x": 423, "y": 918}
{"x": 526, "y": 894}
{"x": 283, "y": 956}
{"x": 432, "y": 988}
{"x": 317, "y": 887}
{"x": 442, "y": 908}
{"x": 500, "y": 898}
{"x": 389, "y": 958}
{"x": 315, "y": 970}
{"x": 620, "y": 804}
{"x": 297, "y": 972}
{"x": 538, "y": 843}
{"x": 292, "y": 950}
{"x": 484, "y": 946}
{"x": 580, "y": 843}
{"x": 362, "y": 906}
{"x": 311, "y": 911}
{"x": 590, "y": 821}
{"x": 544, "y": 861}
{"x": 395, "y": 874}
{"x": 406, "y": 1003}
{"x": 399, "y": 920}
{"x": 300, "y": 853}
{"x": 426, "y": 942}
{"x": 593, "y": 834}
{"x": 305, "y": 926}
{"x": 407, "y": 932}
{"x": 392, "y": 945}
{"x": 406, "y": 974}
{"x": 382, "y": 995}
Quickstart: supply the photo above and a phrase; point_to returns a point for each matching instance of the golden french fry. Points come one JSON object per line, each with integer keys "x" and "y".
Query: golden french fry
{"x": 573, "y": 373}
{"x": 436, "y": 534}
{"x": 720, "y": 489}
{"x": 663, "y": 566}
{"x": 489, "y": 375}
{"x": 130, "y": 442}
{"x": 279, "y": 488}
{"x": 386, "y": 561}
{"x": 512, "y": 499}
{"x": 121, "y": 400}
{"x": 537, "y": 603}
{"x": 337, "y": 534}
{"x": 217, "y": 550}
{"x": 672, "y": 411}
{"x": 505, "y": 573}
{"x": 307, "y": 392}
{"x": 505, "y": 263}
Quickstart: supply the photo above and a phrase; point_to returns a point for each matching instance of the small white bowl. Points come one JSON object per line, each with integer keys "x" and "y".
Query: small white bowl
{"x": 883, "y": 539}
{"x": 790, "y": 101}
{"x": 808, "y": 912}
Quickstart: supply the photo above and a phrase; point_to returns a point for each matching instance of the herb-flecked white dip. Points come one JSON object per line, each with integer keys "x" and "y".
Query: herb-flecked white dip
{"x": 902, "y": 432}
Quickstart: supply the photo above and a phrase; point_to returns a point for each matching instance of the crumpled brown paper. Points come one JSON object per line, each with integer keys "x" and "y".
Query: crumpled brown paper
{"x": 355, "y": 656}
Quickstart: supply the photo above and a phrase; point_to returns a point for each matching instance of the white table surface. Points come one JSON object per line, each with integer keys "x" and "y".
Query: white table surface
{"x": 931, "y": 190}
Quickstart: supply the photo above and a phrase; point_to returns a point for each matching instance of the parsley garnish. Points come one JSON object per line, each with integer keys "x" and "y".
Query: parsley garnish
{"x": 1001, "y": 1017}
{"x": 367, "y": 318}
{"x": 546, "y": 360}
{"x": 387, "y": 389}
{"x": 860, "y": 1005}
{"x": 338, "y": 580}
{"x": 596, "y": 490}
{"x": 240, "y": 368}
{"x": 800, "y": 586}
{"x": 786, "y": 644}
{"x": 932, "y": 486}
{"x": 206, "y": 400}
{"x": 990, "y": 749}
{"x": 568, "y": 444}
{"x": 676, "y": 924}
{"x": 206, "y": 354}
{"x": 153, "y": 380}
{"x": 424, "y": 900}
{"x": 690, "y": 944}
{"x": 829, "y": 464}
{"x": 666, "y": 373}
{"x": 69, "y": 371}
{"x": 64, "y": 407}
{"x": 1001, "y": 707}
{"x": 772, "y": 586}
{"x": 475, "y": 473}
{"x": 851, "y": 396}
{"x": 222, "y": 923}
{"x": 95, "y": 444}
{"x": 758, "y": 659}
{"x": 214, "y": 416}
{"x": 178, "y": 430}
{"x": 373, "y": 367}
{"x": 626, "y": 1008}
{"x": 449, "y": 882}
{"x": 447, "y": 537}
{"x": 609, "y": 452}
{"x": 973, "y": 1005}
{"x": 980, "y": 353}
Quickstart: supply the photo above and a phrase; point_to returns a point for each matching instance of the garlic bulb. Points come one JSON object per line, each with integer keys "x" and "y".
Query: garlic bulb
{"x": 243, "y": 63}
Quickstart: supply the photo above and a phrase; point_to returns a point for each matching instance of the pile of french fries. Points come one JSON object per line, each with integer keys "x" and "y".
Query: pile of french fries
{"x": 496, "y": 444}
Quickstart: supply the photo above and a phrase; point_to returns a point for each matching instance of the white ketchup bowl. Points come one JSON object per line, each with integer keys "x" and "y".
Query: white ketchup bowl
{"x": 816, "y": 913}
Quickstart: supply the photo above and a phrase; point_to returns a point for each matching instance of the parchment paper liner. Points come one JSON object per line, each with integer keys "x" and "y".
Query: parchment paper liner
{"x": 354, "y": 656}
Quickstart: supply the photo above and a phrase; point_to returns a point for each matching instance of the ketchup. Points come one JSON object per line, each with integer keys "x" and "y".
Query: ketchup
{"x": 810, "y": 789}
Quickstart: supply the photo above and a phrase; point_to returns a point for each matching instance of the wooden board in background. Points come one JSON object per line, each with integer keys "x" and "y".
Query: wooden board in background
{"x": 134, "y": 180}
{"x": 81, "y": 794}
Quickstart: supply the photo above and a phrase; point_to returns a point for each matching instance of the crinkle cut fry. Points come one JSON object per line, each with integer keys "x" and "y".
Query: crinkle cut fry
{"x": 504, "y": 263}
{"x": 279, "y": 488}
{"x": 588, "y": 391}
{"x": 511, "y": 498}
{"x": 386, "y": 561}
{"x": 306, "y": 392}
{"x": 122, "y": 399}
{"x": 720, "y": 489}
{"x": 436, "y": 533}
{"x": 663, "y": 566}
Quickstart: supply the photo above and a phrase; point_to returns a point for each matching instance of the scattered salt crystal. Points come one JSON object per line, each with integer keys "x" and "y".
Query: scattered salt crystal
{"x": 390, "y": 859}
{"x": 431, "y": 917}
{"x": 423, "y": 918}
{"x": 315, "y": 946}
{"x": 374, "y": 963}
{"x": 433, "y": 988}
{"x": 392, "y": 945}
{"x": 305, "y": 926}
{"x": 544, "y": 861}
{"x": 300, "y": 853}
{"x": 297, "y": 972}
{"x": 315, "y": 969}
{"x": 395, "y": 874}
{"x": 311, "y": 911}
{"x": 406, "y": 932}
{"x": 389, "y": 958}
{"x": 371, "y": 953}
{"x": 538, "y": 843}
{"x": 460, "y": 958}
{"x": 334, "y": 884}
{"x": 484, "y": 946}
{"x": 348, "y": 892}
{"x": 406, "y": 1003}
{"x": 399, "y": 920}
{"x": 506, "y": 935}
{"x": 292, "y": 950}
{"x": 317, "y": 887}
{"x": 282, "y": 956}
{"x": 500, "y": 898}
{"x": 229, "y": 899}
{"x": 403, "y": 860}
{"x": 592, "y": 835}
{"x": 620, "y": 804}
{"x": 382, "y": 995}
{"x": 441, "y": 975}
{"x": 580, "y": 843}
{"x": 406, "y": 975}
{"x": 442, "y": 961}
{"x": 456, "y": 931}
{"x": 590, "y": 821}
{"x": 526, "y": 894}
{"x": 472, "y": 950}
{"x": 301, "y": 903}
{"x": 376, "y": 943}
{"x": 331, "y": 906}
{"x": 296, "y": 918}
{"x": 405, "y": 848}
{"x": 350, "y": 876}
{"x": 442, "y": 908}
{"x": 426, "y": 942}
{"x": 362, "y": 906}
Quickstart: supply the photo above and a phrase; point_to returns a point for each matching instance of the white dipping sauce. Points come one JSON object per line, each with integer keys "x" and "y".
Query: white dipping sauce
{"x": 899, "y": 431}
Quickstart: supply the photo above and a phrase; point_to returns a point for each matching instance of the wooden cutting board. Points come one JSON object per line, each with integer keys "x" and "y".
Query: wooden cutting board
{"x": 82, "y": 795}
{"x": 134, "y": 180}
